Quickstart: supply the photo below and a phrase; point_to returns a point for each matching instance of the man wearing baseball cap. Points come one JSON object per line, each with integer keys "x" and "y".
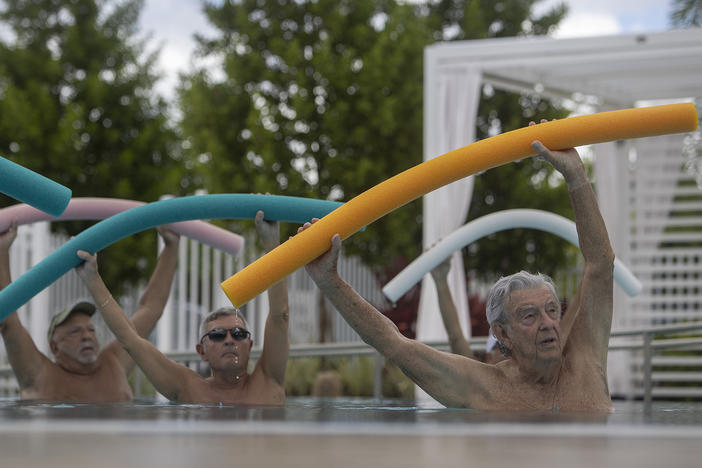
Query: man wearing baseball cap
{"x": 81, "y": 371}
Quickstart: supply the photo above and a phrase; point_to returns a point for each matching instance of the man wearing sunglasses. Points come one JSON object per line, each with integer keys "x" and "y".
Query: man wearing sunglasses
{"x": 81, "y": 371}
{"x": 225, "y": 344}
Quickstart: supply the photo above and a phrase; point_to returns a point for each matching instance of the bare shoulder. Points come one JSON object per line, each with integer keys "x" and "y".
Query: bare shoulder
{"x": 193, "y": 388}
{"x": 265, "y": 384}
{"x": 109, "y": 352}
{"x": 41, "y": 378}
{"x": 476, "y": 384}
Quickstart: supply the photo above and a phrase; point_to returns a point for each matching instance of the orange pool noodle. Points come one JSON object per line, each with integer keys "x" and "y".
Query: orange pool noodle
{"x": 457, "y": 164}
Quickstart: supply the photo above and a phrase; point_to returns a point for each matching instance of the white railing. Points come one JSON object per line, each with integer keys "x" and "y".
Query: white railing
{"x": 195, "y": 291}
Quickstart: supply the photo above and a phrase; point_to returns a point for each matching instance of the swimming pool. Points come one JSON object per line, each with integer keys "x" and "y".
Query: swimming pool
{"x": 343, "y": 432}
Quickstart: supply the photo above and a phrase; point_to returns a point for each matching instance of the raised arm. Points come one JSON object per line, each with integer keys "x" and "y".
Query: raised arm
{"x": 26, "y": 360}
{"x": 459, "y": 344}
{"x": 169, "y": 378}
{"x": 276, "y": 345}
{"x": 154, "y": 299}
{"x": 156, "y": 293}
{"x": 589, "y": 315}
{"x": 453, "y": 380}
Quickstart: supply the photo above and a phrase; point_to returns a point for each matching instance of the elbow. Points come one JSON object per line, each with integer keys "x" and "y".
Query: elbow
{"x": 282, "y": 313}
{"x": 603, "y": 265}
{"x": 135, "y": 346}
{"x": 392, "y": 345}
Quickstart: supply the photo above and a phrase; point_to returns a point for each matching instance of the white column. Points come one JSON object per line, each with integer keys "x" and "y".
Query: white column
{"x": 611, "y": 169}
{"x": 451, "y": 98}
{"x": 38, "y": 308}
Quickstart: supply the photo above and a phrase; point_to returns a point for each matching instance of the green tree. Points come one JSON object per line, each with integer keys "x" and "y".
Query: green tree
{"x": 686, "y": 13}
{"x": 318, "y": 99}
{"x": 76, "y": 105}
{"x": 324, "y": 99}
{"x": 523, "y": 184}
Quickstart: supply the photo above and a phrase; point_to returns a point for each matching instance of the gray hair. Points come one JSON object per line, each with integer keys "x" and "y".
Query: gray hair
{"x": 500, "y": 291}
{"x": 221, "y": 312}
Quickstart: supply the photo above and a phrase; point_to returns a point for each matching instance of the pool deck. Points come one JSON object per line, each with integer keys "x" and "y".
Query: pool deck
{"x": 328, "y": 434}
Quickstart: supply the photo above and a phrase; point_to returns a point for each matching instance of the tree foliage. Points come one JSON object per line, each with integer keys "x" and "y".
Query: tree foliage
{"x": 324, "y": 99}
{"x": 686, "y": 13}
{"x": 76, "y": 105}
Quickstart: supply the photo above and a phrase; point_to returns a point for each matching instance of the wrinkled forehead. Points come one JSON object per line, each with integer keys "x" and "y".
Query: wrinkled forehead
{"x": 76, "y": 319}
{"x": 538, "y": 297}
{"x": 227, "y": 321}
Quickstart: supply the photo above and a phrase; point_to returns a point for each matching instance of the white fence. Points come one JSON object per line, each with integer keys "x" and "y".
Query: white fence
{"x": 196, "y": 290}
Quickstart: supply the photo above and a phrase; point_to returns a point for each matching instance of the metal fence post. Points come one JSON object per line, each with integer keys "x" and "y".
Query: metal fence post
{"x": 378, "y": 362}
{"x": 647, "y": 380}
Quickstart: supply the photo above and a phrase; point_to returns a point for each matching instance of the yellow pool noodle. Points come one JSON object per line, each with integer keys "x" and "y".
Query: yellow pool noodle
{"x": 457, "y": 164}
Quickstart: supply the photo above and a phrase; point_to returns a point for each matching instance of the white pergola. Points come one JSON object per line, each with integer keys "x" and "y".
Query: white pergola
{"x": 604, "y": 73}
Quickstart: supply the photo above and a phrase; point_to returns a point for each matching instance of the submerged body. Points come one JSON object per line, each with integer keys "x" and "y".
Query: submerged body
{"x": 555, "y": 364}
{"x": 225, "y": 345}
{"x": 230, "y": 383}
{"x": 81, "y": 371}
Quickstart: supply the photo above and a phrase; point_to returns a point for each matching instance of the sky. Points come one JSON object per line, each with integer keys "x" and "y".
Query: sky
{"x": 172, "y": 24}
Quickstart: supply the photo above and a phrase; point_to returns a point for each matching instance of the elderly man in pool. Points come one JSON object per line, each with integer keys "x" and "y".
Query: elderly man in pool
{"x": 225, "y": 344}
{"x": 554, "y": 364}
{"x": 81, "y": 371}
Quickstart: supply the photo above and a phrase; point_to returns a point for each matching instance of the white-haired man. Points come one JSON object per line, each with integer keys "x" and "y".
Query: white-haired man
{"x": 554, "y": 365}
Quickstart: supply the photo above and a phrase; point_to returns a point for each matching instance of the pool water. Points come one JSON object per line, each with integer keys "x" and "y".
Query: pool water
{"x": 314, "y": 432}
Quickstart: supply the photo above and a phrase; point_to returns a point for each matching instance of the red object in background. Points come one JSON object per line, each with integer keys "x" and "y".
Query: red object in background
{"x": 479, "y": 325}
{"x": 404, "y": 312}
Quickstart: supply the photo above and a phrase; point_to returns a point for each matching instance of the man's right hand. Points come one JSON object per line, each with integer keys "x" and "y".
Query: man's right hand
{"x": 268, "y": 231}
{"x": 87, "y": 270}
{"x": 169, "y": 237}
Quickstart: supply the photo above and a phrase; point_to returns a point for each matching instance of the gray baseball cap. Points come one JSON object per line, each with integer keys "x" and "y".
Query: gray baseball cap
{"x": 82, "y": 307}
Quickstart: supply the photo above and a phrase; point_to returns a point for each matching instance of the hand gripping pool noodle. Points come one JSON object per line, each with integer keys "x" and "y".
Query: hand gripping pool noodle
{"x": 457, "y": 164}
{"x": 104, "y": 233}
{"x": 102, "y": 208}
{"x": 34, "y": 189}
{"x": 486, "y": 225}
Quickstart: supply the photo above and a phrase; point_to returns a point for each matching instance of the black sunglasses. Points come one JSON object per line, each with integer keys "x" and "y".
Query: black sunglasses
{"x": 219, "y": 334}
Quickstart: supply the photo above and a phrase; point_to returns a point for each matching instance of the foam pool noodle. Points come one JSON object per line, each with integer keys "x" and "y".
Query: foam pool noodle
{"x": 121, "y": 225}
{"x": 34, "y": 189}
{"x": 457, "y": 164}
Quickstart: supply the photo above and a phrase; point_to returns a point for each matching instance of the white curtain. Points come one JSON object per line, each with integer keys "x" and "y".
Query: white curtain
{"x": 612, "y": 185}
{"x": 450, "y": 116}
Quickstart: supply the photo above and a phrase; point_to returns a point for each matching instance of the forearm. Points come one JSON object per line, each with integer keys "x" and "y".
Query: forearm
{"x": 592, "y": 232}
{"x": 278, "y": 302}
{"x": 449, "y": 315}
{"x": 373, "y": 327}
{"x": 112, "y": 313}
{"x": 5, "y": 280}
{"x": 5, "y": 277}
{"x": 276, "y": 342}
{"x": 589, "y": 316}
{"x": 156, "y": 293}
{"x": 10, "y": 325}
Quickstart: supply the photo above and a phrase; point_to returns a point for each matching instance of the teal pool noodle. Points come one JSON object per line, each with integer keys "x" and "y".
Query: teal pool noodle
{"x": 119, "y": 226}
{"x": 33, "y": 189}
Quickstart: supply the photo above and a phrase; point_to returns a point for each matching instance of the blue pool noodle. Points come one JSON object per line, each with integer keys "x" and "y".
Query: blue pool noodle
{"x": 33, "y": 189}
{"x": 119, "y": 226}
{"x": 489, "y": 224}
